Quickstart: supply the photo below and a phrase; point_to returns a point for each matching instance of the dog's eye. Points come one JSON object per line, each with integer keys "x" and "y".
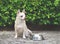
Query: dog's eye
{"x": 21, "y": 16}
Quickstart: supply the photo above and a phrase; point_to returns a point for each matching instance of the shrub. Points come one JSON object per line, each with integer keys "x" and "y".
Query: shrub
{"x": 38, "y": 11}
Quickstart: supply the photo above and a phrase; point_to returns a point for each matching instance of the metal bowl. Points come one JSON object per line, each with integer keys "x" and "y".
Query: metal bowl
{"x": 37, "y": 37}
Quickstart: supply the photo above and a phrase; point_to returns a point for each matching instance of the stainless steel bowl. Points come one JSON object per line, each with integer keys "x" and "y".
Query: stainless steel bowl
{"x": 37, "y": 37}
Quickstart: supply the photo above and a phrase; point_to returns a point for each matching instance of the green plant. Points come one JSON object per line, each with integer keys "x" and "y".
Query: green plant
{"x": 38, "y": 11}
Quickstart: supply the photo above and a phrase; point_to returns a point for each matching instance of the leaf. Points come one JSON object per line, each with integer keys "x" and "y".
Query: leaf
{"x": 13, "y": 18}
{"x": 33, "y": 18}
{"x": 56, "y": 2}
{"x": 55, "y": 22}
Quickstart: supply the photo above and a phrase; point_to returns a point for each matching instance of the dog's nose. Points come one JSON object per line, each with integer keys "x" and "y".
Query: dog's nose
{"x": 21, "y": 16}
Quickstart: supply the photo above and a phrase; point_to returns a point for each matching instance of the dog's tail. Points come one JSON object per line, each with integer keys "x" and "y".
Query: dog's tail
{"x": 30, "y": 32}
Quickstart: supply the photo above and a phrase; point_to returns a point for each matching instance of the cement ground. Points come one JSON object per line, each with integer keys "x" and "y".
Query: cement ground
{"x": 51, "y": 37}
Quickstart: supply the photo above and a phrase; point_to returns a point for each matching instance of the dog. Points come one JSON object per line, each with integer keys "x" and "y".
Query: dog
{"x": 20, "y": 26}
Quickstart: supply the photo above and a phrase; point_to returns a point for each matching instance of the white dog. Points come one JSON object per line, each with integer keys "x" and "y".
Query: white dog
{"x": 20, "y": 26}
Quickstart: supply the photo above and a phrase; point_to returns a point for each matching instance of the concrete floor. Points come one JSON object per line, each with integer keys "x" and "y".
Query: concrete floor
{"x": 51, "y": 37}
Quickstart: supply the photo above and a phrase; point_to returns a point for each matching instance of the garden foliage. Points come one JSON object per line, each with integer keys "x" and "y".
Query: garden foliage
{"x": 37, "y": 11}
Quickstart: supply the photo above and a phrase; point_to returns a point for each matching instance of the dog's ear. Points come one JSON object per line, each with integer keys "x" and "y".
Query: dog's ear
{"x": 18, "y": 11}
{"x": 24, "y": 11}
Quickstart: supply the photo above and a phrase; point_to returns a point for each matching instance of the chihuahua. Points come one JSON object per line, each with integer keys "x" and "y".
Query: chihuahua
{"x": 20, "y": 25}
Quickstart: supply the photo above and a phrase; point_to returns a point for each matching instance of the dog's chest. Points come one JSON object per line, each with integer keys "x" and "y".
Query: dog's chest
{"x": 20, "y": 23}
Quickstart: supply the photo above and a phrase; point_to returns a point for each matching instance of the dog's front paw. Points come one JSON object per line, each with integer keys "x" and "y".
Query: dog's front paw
{"x": 15, "y": 36}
